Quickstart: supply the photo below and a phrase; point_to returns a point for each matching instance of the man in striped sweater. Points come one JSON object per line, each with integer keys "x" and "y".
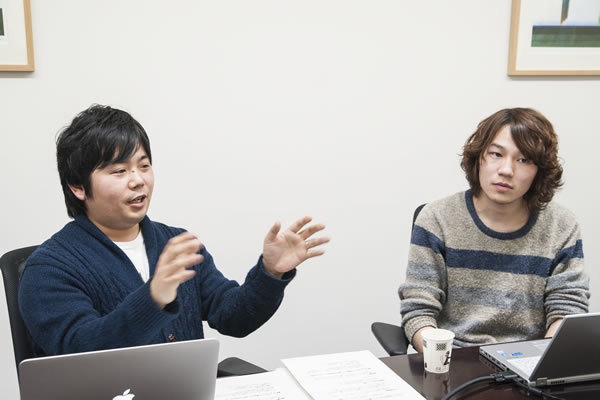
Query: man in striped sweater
{"x": 499, "y": 262}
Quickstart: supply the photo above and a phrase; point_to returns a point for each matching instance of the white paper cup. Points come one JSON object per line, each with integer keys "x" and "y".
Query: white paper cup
{"x": 437, "y": 350}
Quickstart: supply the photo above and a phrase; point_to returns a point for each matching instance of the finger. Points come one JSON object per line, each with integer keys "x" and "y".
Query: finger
{"x": 272, "y": 234}
{"x": 185, "y": 261}
{"x": 183, "y": 244}
{"x": 311, "y": 230}
{"x": 182, "y": 237}
{"x": 296, "y": 226}
{"x": 316, "y": 242}
{"x": 184, "y": 275}
{"x": 186, "y": 241}
{"x": 192, "y": 259}
{"x": 314, "y": 253}
{"x": 180, "y": 262}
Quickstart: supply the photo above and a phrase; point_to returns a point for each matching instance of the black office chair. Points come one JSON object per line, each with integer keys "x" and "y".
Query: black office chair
{"x": 391, "y": 337}
{"x": 12, "y": 264}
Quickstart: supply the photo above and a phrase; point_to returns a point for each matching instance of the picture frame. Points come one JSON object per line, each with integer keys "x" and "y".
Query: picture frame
{"x": 554, "y": 37}
{"x": 16, "y": 36}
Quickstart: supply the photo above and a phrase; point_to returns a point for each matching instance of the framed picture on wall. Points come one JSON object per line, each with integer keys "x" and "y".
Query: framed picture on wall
{"x": 16, "y": 42}
{"x": 555, "y": 37}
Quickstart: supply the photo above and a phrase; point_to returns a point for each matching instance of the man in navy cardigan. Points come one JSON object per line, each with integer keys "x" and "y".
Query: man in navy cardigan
{"x": 113, "y": 278}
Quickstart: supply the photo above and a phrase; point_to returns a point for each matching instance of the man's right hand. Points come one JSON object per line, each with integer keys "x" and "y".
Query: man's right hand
{"x": 180, "y": 253}
{"x": 417, "y": 340}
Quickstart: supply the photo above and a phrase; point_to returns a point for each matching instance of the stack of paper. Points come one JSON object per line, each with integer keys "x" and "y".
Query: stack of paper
{"x": 274, "y": 385}
{"x": 344, "y": 376}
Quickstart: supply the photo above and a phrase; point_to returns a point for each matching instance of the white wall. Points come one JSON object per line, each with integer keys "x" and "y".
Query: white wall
{"x": 353, "y": 112}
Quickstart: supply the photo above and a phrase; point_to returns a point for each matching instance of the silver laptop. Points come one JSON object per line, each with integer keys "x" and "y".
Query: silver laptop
{"x": 570, "y": 356}
{"x": 181, "y": 370}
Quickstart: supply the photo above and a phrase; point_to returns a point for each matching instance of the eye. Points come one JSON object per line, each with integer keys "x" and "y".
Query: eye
{"x": 525, "y": 161}
{"x": 495, "y": 154}
{"x": 118, "y": 171}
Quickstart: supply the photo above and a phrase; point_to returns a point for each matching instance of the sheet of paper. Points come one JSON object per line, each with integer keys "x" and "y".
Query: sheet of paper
{"x": 349, "y": 376}
{"x": 274, "y": 385}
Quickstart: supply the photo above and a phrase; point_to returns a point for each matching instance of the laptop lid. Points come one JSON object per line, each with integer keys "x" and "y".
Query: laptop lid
{"x": 180, "y": 370}
{"x": 570, "y": 356}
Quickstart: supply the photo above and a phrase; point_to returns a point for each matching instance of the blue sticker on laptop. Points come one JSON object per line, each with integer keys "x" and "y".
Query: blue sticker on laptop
{"x": 517, "y": 354}
{"x": 502, "y": 353}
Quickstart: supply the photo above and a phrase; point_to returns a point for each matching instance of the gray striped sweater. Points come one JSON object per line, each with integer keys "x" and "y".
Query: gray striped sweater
{"x": 487, "y": 286}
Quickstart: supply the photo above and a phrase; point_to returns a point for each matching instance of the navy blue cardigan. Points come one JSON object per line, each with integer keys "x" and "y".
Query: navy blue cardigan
{"x": 80, "y": 292}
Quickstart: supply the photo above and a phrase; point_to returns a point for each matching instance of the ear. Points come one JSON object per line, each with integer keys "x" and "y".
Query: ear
{"x": 78, "y": 191}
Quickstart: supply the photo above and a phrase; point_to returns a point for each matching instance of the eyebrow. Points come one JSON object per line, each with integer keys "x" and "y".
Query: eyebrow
{"x": 142, "y": 158}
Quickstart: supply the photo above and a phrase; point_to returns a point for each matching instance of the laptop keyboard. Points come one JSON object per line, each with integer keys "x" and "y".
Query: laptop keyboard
{"x": 525, "y": 364}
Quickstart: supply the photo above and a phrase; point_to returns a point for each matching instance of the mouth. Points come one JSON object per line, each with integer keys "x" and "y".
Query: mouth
{"x": 138, "y": 199}
{"x": 503, "y": 185}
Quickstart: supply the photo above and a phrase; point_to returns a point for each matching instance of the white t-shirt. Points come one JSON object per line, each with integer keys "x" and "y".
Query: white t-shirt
{"x": 136, "y": 251}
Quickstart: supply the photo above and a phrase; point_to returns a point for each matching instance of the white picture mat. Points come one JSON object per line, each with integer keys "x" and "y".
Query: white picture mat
{"x": 549, "y": 58}
{"x": 13, "y": 45}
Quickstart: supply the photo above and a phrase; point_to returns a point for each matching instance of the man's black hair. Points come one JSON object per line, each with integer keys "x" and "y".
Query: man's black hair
{"x": 97, "y": 137}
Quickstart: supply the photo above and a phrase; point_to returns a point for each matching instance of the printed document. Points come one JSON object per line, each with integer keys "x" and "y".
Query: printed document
{"x": 274, "y": 385}
{"x": 344, "y": 376}
{"x": 349, "y": 376}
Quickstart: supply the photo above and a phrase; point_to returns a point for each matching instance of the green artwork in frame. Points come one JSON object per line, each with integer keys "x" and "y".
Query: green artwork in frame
{"x": 554, "y": 37}
{"x": 577, "y": 25}
{"x": 1, "y": 23}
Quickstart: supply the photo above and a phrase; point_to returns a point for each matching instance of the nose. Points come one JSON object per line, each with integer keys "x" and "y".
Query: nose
{"x": 135, "y": 179}
{"x": 506, "y": 167}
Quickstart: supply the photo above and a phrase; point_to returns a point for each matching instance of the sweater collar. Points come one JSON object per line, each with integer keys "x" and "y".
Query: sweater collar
{"x": 492, "y": 233}
{"x": 148, "y": 233}
{"x": 84, "y": 222}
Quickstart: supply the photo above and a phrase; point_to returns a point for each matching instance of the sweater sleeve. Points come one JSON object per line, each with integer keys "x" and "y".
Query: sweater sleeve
{"x": 62, "y": 318}
{"x": 238, "y": 310}
{"x": 423, "y": 293}
{"x": 567, "y": 288}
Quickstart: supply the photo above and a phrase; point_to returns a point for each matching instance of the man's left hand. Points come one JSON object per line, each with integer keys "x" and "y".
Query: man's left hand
{"x": 284, "y": 251}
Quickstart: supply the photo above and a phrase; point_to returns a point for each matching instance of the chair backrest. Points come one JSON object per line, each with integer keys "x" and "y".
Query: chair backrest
{"x": 416, "y": 214}
{"x": 12, "y": 264}
{"x": 392, "y": 337}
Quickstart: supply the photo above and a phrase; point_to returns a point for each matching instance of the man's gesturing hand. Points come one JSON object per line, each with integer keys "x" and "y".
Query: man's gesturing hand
{"x": 284, "y": 251}
{"x": 179, "y": 254}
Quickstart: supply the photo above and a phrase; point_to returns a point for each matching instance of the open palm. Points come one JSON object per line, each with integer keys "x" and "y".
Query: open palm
{"x": 284, "y": 251}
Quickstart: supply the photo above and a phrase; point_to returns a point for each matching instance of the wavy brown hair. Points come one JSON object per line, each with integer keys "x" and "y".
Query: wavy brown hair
{"x": 534, "y": 136}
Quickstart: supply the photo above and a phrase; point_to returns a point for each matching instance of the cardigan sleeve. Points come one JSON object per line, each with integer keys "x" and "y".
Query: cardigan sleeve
{"x": 238, "y": 310}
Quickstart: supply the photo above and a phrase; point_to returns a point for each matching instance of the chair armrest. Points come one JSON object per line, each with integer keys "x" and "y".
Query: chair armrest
{"x": 233, "y": 366}
{"x": 390, "y": 337}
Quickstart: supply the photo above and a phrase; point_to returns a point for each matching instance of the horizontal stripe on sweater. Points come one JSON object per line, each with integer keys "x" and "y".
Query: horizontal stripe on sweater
{"x": 501, "y": 299}
{"x": 493, "y": 261}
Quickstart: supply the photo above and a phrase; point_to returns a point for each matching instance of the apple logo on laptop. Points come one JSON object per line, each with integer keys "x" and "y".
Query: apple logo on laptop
{"x": 125, "y": 396}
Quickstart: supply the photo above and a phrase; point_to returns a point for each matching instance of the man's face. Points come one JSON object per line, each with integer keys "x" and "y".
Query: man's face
{"x": 505, "y": 175}
{"x": 120, "y": 196}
